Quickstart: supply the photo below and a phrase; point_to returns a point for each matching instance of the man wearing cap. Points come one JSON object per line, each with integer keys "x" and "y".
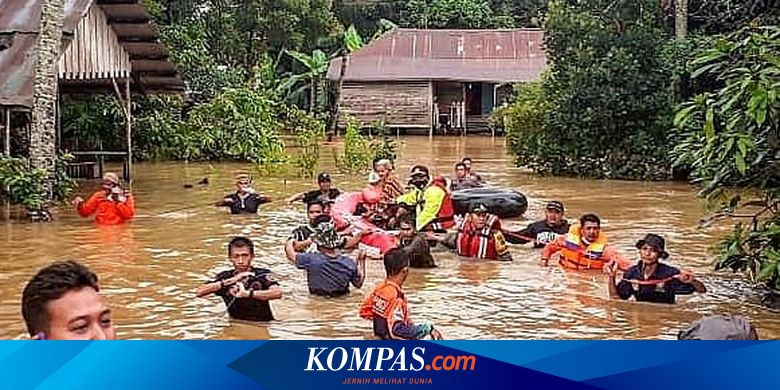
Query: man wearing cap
{"x": 543, "y": 232}
{"x": 479, "y": 236}
{"x": 430, "y": 200}
{"x": 584, "y": 247}
{"x": 328, "y": 273}
{"x": 651, "y": 280}
{"x": 111, "y": 205}
{"x": 245, "y": 200}
{"x": 325, "y": 191}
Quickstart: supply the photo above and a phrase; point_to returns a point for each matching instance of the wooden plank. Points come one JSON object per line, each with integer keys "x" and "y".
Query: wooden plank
{"x": 76, "y": 52}
{"x": 430, "y": 108}
{"x": 101, "y": 43}
{"x": 94, "y": 50}
{"x": 7, "y": 139}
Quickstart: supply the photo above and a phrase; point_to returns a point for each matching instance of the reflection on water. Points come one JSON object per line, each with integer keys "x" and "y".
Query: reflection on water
{"x": 149, "y": 269}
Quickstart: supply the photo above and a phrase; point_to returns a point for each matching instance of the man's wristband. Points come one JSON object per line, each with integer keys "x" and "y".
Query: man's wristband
{"x": 251, "y": 293}
{"x": 222, "y": 283}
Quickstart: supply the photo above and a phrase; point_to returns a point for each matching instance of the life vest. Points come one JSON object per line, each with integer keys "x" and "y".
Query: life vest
{"x": 385, "y": 306}
{"x": 445, "y": 219}
{"x": 479, "y": 244}
{"x": 575, "y": 254}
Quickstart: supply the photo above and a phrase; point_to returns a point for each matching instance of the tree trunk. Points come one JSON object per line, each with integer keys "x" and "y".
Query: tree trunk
{"x": 42, "y": 137}
{"x": 337, "y": 106}
{"x": 312, "y": 94}
{"x": 681, "y": 18}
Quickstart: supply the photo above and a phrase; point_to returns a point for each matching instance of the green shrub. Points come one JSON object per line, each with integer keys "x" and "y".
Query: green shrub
{"x": 239, "y": 124}
{"x": 21, "y": 184}
{"x": 358, "y": 152}
{"x": 309, "y": 132}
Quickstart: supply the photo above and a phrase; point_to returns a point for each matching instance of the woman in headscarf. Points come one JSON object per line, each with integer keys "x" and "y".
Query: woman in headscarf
{"x": 389, "y": 184}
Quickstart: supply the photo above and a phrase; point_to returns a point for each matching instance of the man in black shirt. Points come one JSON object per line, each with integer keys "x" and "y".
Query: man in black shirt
{"x": 245, "y": 289}
{"x": 324, "y": 192}
{"x": 545, "y": 231}
{"x": 245, "y": 200}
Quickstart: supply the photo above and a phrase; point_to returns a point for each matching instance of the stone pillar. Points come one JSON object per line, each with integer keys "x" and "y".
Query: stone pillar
{"x": 43, "y": 149}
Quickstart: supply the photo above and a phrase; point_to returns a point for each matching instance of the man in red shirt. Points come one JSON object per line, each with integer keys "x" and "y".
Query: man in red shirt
{"x": 111, "y": 205}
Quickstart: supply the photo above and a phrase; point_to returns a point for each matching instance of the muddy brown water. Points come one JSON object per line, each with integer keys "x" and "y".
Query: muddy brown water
{"x": 150, "y": 268}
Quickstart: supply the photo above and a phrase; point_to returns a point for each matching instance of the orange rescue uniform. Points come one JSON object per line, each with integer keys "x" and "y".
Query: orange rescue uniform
{"x": 577, "y": 254}
{"x": 388, "y": 308}
{"x": 107, "y": 212}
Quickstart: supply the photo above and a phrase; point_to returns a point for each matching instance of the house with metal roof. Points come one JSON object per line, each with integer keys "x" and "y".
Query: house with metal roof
{"x": 108, "y": 46}
{"x": 436, "y": 79}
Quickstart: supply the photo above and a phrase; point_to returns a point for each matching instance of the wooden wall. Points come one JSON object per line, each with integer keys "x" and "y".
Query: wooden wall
{"x": 94, "y": 52}
{"x": 400, "y": 104}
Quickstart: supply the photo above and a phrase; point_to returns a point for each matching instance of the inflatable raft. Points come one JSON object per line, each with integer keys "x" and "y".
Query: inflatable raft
{"x": 504, "y": 203}
{"x": 375, "y": 243}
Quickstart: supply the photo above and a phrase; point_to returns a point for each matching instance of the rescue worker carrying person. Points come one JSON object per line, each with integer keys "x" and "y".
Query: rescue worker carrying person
{"x": 479, "y": 236}
{"x": 585, "y": 247}
{"x": 430, "y": 200}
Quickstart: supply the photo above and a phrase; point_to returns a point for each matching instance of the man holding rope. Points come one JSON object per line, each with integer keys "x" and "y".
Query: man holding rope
{"x": 650, "y": 280}
{"x": 584, "y": 247}
{"x": 542, "y": 232}
{"x": 245, "y": 289}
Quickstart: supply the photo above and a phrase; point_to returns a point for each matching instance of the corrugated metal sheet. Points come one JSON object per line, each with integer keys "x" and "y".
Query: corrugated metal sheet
{"x": 19, "y": 20}
{"x": 16, "y": 67}
{"x": 498, "y": 56}
{"x": 25, "y": 15}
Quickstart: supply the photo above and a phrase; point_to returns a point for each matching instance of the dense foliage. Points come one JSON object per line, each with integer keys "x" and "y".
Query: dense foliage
{"x": 21, "y": 184}
{"x": 729, "y": 137}
{"x": 442, "y": 13}
{"x": 603, "y": 109}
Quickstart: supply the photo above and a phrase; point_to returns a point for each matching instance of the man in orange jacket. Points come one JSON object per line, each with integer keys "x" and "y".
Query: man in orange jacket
{"x": 584, "y": 247}
{"x": 111, "y": 205}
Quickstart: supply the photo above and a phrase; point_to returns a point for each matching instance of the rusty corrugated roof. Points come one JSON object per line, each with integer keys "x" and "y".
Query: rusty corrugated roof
{"x": 19, "y": 20}
{"x": 499, "y": 56}
{"x": 24, "y": 15}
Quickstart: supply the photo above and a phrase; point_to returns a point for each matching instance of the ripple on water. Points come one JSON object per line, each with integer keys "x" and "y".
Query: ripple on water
{"x": 150, "y": 269}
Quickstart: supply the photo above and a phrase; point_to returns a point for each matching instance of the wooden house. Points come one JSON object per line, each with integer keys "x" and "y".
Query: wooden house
{"x": 108, "y": 46}
{"x": 427, "y": 80}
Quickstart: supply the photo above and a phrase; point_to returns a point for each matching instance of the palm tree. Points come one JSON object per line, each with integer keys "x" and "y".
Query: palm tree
{"x": 42, "y": 139}
{"x": 316, "y": 65}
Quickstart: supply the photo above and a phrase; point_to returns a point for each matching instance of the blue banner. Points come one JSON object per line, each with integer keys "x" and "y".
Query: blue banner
{"x": 242, "y": 365}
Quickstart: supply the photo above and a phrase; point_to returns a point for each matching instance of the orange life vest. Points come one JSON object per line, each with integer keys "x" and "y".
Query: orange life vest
{"x": 578, "y": 255}
{"x": 386, "y": 305}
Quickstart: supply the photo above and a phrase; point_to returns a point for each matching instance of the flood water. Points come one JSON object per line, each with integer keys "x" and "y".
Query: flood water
{"x": 149, "y": 269}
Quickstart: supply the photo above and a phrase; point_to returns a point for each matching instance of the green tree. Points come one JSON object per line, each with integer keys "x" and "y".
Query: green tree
{"x": 316, "y": 65}
{"x": 452, "y": 14}
{"x": 239, "y": 124}
{"x": 725, "y": 16}
{"x": 607, "y": 107}
{"x": 729, "y": 137}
